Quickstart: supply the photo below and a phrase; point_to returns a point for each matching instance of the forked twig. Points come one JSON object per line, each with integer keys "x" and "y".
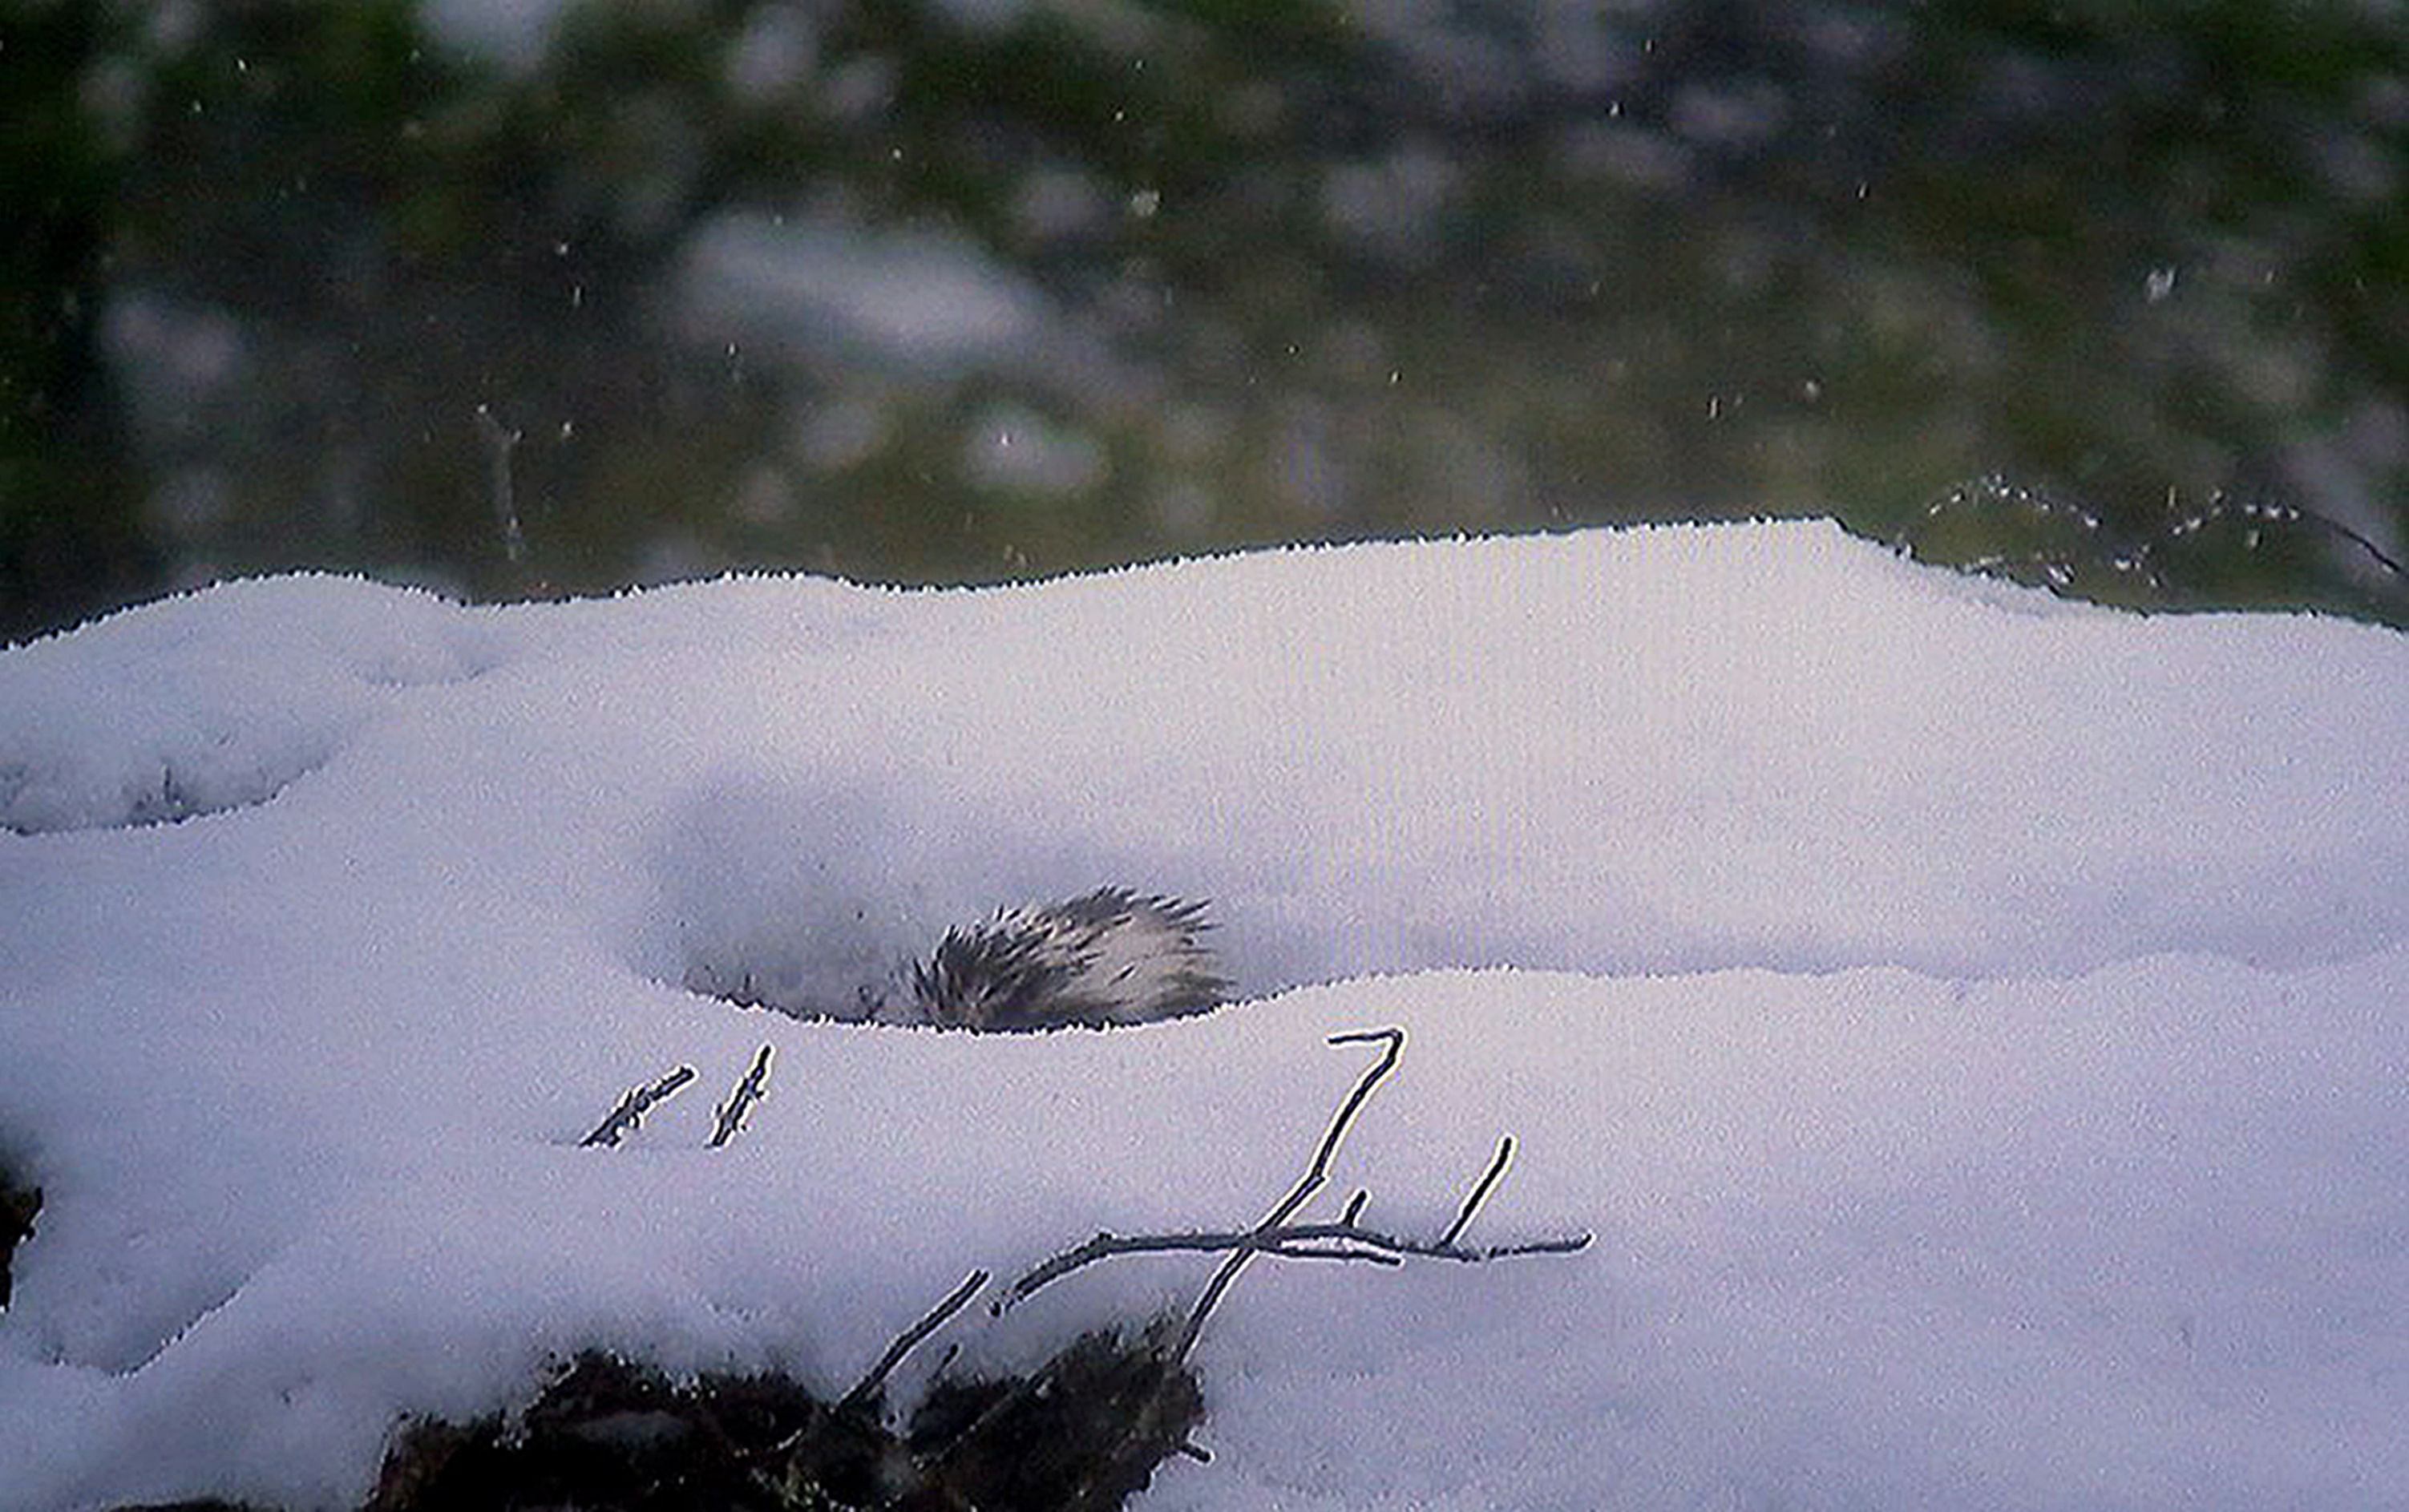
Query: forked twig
{"x": 2137, "y": 548}
{"x": 1347, "y": 1239}
{"x": 1283, "y": 1243}
{"x": 1281, "y": 1237}
{"x": 1278, "y": 1234}
{"x": 1393, "y": 1043}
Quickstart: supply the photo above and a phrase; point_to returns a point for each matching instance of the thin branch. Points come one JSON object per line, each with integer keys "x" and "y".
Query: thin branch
{"x": 1103, "y": 1246}
{"x": 1347, "y": 1239}
{"x": 2141, "y": 542}
{"x": 631, "y": 1111}
{"x": 1277, "y": 1235}
{"x": 866, "y": 1388}
{"x": 910, "y": 1338}
{"x": 501, "y": 441}
{"x": 739, "y": 1102}
{"x": 1479, "y": 1193}
{"x": 1393, "y": 1043}
{"x": 1281, "y": 1242}
{"x": 2377, "y": 553}
{"x": 1368, "y": 1257}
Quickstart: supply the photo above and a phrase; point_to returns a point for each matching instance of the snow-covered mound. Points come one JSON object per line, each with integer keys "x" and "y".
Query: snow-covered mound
{"x": 1970, "y": 1023}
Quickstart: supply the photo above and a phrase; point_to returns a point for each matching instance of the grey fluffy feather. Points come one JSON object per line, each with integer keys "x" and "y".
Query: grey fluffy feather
{"x": 1109, "y": 956}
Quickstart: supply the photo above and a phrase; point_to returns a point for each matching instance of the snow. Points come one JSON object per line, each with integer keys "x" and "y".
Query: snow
{"x": 1969, "y": 1022}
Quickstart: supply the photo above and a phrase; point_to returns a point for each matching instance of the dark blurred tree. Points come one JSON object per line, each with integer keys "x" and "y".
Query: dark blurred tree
{"x": 1280, "y": 270}
{"x": 420, "y": 273}
{"x": 69, "y": 543}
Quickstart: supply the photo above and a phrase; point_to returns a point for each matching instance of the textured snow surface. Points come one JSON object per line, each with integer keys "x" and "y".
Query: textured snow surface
{"x": 1972, "y": 1025}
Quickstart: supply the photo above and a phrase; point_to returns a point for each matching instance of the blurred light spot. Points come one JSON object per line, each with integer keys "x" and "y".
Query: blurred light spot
{"x": 1016, "y": 451}
{"x": 841, "y": 434}
{"x": 914, "y": 300}
{"x": 773, "y": 56}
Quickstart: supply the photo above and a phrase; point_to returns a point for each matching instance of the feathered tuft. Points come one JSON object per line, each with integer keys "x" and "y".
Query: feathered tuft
{"x": 1110, "y": 956}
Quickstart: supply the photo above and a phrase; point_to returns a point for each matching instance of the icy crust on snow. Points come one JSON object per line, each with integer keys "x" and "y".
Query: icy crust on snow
{"x": 1969, "y": 1023}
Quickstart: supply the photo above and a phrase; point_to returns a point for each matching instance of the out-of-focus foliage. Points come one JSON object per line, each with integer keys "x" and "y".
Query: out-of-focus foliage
{"x": 69, "y": 539}
{"x": 526, "y": 298}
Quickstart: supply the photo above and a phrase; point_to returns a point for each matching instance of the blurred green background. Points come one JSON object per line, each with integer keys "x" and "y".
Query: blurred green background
{"x": 526, "y": 297}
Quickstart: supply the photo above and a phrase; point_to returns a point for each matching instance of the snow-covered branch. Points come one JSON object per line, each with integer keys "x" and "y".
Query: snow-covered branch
{"x": 631, "y": 1111}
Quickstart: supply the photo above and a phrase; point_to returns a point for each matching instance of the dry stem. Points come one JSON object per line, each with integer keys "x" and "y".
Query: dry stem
{"x": 631, "y": 1111}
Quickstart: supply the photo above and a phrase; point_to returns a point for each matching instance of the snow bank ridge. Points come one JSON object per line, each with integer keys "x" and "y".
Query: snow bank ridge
{"x": 213, "y": 701}
{"x": 1969, "y": 1023}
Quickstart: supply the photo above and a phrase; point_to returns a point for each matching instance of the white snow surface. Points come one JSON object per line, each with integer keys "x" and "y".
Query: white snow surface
{"x": 1971, "y": 1025}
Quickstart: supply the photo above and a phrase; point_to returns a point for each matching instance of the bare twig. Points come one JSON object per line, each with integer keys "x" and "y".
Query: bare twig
{"x": 631, "y": 1111}
{"x": 1103, "y": 1247}
{"x": 1280, "y": 1243}
{"x": 1277, "y": 1235}
{"x": 2334, "y": 526}
{"x": 1393, "y": 1044}
{"x": 1479, "y": 1193}
{"x": 1332, "y": 1252}
{"x": 739, "y": 1102}
{"x": 2136, "y": 547}
{"x": 865, "y": 1391}
{"x": 910, "y": 1338}
{"x": 501, "y": 441}
{"x": 1347, "y": 1239}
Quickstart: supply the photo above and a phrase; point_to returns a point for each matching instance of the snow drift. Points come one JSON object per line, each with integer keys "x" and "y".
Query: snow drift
{"x": 1969, "y": 1022}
